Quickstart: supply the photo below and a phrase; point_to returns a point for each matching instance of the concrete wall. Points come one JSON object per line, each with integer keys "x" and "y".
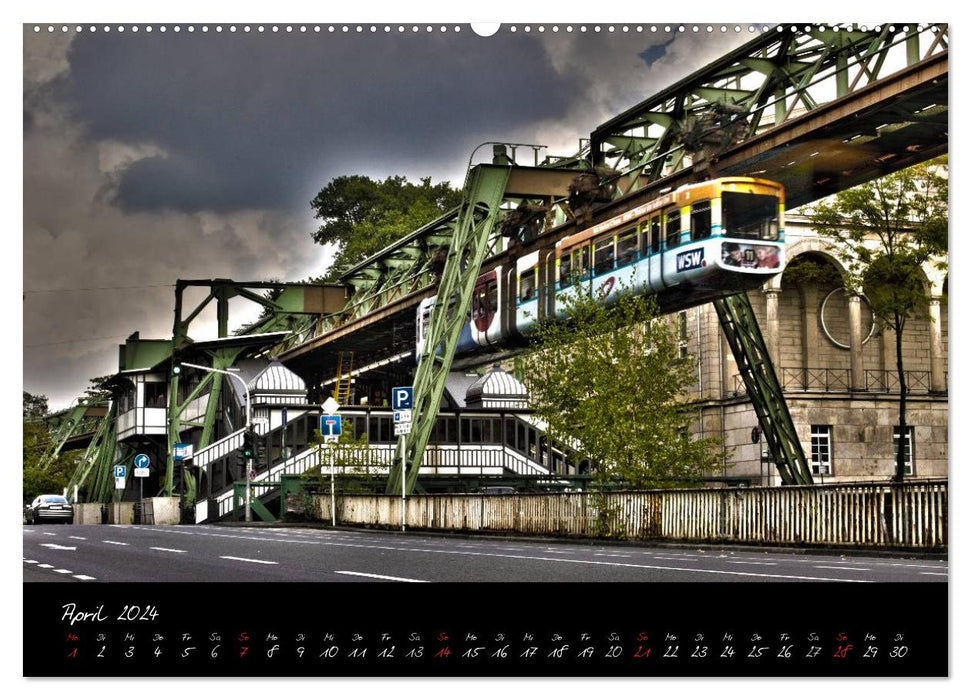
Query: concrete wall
{"x": 160, "y": 511}
{"x": 87, "y": 513}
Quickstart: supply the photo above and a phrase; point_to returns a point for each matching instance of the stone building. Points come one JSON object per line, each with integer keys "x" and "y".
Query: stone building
{"x": 837, "y": 367}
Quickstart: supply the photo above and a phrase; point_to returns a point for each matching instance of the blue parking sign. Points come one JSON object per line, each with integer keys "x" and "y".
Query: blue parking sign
{"x": 402, "y": 397}
{"x": 120, "y": 470}
{"x": 330, "y": 426}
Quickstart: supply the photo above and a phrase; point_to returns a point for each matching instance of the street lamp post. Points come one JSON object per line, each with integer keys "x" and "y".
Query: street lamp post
{"x": 249, "y": 424}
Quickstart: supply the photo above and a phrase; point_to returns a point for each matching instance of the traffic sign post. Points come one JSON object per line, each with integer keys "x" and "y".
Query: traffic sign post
{"x": 402, "y": 401}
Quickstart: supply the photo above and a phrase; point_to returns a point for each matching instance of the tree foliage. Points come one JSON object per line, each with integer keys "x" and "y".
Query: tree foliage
{"x": 888, "y": 231}
{"x": 39, "y": 478}
{"x": 609, "y": 381}
{"x": 361, "y": 216}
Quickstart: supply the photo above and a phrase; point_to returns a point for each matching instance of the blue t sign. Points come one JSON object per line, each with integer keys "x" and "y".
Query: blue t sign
{"x": 330, "y": 426}
{"x": 402, "y": 397}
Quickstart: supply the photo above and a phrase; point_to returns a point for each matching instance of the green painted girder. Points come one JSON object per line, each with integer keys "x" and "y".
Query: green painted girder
{"x": 744, "y": 336}
{"x": 102, "y": 445}
{"x": 67, "y": 423}
{"x": 476, "y": 219}
{"x": 771, "y": 77}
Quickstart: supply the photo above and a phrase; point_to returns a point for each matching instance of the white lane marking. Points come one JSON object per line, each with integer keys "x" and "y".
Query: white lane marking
{"x": 45, "y": 566}
{"x": 605, "y": 554}
{"x": 58, "y": 546}
{"x": 846, "y": 568}
{"x": 62, "y": 571}
{"x": 930, "y": 573}
{"x": 123, "y": 544}
{"x": 385, "y": 578}
{"x": 75, "y": 537}
{"x": 30, "y": 561}
{"x": 52, "y": 534}
{"x": 83, "y": 577}
{"x": 251, "y": 561}
{"x": 761, "y": 563}
{"x": 416, "y": 550}
{"x": 165, "y": 549}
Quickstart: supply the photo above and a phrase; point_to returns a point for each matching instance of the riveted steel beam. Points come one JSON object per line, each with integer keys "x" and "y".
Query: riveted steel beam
{"x": 742, "y": 331}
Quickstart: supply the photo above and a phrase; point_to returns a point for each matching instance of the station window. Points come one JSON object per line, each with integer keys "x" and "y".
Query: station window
{"x": 908, "y": 449}
{"x": 155, "y": 395}
{"x": 627, "y": 248}
{"x": 821, "y": 449}
{"x": 672, "y": 227}
{"x": 527, "y": 285}
{"x": 603, "y": 256}
{"x": 700, "y": 220}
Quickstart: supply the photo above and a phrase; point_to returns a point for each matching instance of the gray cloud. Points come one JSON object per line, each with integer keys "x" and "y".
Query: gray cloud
{"x": 153, "y": 157}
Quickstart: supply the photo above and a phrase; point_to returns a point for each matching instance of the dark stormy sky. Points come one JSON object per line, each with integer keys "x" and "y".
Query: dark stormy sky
{"x": 152, "y": 156}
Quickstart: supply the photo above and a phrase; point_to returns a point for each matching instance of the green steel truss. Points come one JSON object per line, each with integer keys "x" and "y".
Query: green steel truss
{"x": 755, "y": 365}
{"x": 476, "y": 218}
{"x": 780, "y": 75}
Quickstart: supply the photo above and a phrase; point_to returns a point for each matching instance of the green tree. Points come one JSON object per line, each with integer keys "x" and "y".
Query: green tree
{"x": 361, "y": 216}
{"x": 610, "y": 382}
{"x": 887, "y": 231}
{"x": 39, "y": 477}
{"x": 35, "y": 406}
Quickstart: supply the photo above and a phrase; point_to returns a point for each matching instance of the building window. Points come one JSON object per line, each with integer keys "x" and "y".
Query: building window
{"x": 908, "y": 449}
{"x": 682, "y": 335}
{"x": 821, "y": 445}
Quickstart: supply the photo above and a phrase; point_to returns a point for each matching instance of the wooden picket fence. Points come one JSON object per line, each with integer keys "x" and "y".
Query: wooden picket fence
{"x": 911, "y": 515}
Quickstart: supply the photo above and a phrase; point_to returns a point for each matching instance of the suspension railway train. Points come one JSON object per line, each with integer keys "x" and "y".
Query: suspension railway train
{"x": 687, "y": 247}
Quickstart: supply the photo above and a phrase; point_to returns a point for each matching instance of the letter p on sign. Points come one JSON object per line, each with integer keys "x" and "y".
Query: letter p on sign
{"x": 402, "y": 397}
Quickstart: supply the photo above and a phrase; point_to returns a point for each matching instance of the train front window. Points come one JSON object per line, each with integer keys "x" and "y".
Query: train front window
{"x": 603, "y": 256}
{"x": 747, "y": 215}
{"x": 700, "y": 220}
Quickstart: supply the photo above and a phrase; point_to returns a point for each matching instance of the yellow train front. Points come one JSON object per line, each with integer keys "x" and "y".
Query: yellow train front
{"x": 687, "y": 247}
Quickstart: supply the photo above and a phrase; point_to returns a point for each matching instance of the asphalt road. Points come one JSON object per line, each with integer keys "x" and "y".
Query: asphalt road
{"x": 116, "y": 553}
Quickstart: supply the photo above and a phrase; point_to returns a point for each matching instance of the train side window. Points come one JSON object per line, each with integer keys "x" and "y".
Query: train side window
{"x": 700, "y": 220}
{"x": 627, "y": 248}
{"x": 583, "y": 261}
{"x": 672, "y": 227}
{"x": 566, "y": 270}
{"x": 492, "y": 298}
{"x": 603, "y": 256}
{"x": 527, "y": 285}
{"x": 656, "y": 234}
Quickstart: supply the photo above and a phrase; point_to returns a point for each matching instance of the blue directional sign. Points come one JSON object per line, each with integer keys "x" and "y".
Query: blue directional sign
{"x": 142, "y": 461}
{"x": 402, "y": 397}
{"x": 120, "y": 471}
{"x": 330, "y": 426}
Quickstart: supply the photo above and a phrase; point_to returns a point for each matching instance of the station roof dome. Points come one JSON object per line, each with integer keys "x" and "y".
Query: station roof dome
{"x": 496, "y": 389}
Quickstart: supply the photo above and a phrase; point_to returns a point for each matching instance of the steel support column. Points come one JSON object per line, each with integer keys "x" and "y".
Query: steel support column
{"x": 755, "y": 365}
{"x": 484, "y": 189}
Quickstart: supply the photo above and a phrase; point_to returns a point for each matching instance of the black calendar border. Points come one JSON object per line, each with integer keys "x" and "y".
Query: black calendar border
{"x": 642, "y": 616}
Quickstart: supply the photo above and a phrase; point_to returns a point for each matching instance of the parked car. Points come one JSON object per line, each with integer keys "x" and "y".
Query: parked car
{"x": 498, "y": 490}
{"x": 49, "y": 508}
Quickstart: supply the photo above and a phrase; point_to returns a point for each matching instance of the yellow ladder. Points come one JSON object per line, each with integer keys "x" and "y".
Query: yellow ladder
{"x": 342, "y": 390}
